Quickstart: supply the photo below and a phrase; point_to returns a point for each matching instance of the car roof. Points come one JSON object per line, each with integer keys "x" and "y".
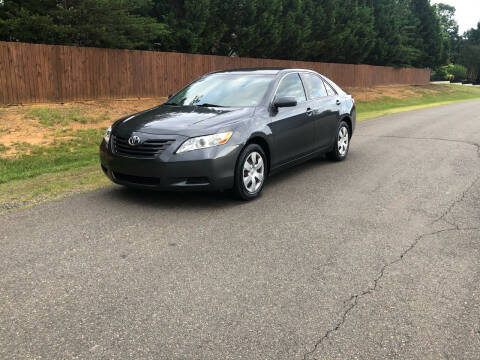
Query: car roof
{"x": 259, "y": 71}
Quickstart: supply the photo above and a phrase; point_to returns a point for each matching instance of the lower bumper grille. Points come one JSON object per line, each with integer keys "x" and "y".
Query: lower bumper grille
{"x": 142, "y": 180}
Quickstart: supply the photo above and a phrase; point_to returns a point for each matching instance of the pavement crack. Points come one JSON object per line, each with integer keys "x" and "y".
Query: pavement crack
{"x": 442, "y": 217}
{"x": 447, "y": 211}
{"x": 354, "y": 299}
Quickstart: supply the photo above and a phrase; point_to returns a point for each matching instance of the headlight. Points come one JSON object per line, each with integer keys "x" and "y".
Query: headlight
{"x": 203, "y": 142}
{"x": 108, "y": 132}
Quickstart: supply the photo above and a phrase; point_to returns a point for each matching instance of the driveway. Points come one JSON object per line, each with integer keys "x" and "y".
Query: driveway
{"x": 377, "y": 257}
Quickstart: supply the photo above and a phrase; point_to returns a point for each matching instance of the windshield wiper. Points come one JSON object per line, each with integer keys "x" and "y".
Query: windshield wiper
{"x": 209, "y": 105}
{"x": 172, "y": 103}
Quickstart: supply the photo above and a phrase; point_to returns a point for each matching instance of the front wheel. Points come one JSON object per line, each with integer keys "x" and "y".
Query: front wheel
{"x": 250, "y": 172}
{"x": 342, "y": 143}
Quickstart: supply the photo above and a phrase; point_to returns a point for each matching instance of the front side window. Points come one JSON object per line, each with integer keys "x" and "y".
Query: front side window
{"x": 224, "y": 90}
{"x": 291, "y": 85}
{"x": 315, "y": 86}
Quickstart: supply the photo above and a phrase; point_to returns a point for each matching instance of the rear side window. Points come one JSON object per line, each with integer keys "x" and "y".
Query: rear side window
{"x": 315, "y": 86}
{"x": 330, "y": 90}
{"x": 335, "y": 87}
{"x": 291, "y": 85}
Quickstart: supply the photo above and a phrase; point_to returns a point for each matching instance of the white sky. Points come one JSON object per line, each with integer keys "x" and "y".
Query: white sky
{"x": 468, "y": 12}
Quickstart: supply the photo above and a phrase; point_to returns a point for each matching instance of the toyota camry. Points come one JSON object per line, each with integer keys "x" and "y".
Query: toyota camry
{"x": 231, "y": 130}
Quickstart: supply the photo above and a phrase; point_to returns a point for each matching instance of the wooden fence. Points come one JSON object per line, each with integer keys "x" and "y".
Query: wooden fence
{"x": 39, "y": 73}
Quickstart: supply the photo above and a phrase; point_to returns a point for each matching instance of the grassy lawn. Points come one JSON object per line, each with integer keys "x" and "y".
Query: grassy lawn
{"x": 81, "y": 149}
{"x": 49, "y": 186}
{"x": 51, "y": 150}
{"x": 421, "y": 97}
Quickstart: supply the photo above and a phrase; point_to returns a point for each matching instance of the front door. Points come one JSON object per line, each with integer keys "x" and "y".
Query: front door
{"x": 292, "y": 127}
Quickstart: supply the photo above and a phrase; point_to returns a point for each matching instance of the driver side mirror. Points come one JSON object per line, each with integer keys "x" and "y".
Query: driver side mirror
{"x": 285, "y": 101}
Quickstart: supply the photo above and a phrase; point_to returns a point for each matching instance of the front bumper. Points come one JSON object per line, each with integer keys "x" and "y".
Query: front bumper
{"x": 205, "y": 169}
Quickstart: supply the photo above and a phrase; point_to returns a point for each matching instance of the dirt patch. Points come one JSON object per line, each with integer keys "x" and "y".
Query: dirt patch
{"x": 23, "y": 123}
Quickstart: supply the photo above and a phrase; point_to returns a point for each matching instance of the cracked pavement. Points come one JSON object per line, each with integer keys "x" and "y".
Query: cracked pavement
{"x": 377, "y": 257}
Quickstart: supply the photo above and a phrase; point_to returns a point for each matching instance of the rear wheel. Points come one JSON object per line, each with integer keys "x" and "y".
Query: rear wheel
{"x": 250, "y": 172}
{"x": 342, "y": 143}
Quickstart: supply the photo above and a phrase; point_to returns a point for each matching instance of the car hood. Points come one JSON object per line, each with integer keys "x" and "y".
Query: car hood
{"x": 180, "y": 120}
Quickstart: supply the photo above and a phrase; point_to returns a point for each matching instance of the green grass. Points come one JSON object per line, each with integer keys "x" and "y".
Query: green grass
{"x": 63, "y": 116}
{"x": 17, "y": 194}
{"x": 444, "y": 94}
{"x": 81, "y": 150}
{"x": 3, "y": 148}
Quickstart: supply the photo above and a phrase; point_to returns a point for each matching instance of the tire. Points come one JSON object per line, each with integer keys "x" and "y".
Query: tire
{"x": 249, "y": 183}
{"x": 341, "y": 146}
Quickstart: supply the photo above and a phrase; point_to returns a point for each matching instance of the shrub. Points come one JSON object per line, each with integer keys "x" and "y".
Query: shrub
{"x": 458, "y": 71}
{"x": 450, "y": 72}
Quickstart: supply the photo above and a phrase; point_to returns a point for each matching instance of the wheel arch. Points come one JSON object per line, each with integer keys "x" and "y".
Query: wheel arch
{"x": 349, "y": 122}
{"x": 263, "y": 143}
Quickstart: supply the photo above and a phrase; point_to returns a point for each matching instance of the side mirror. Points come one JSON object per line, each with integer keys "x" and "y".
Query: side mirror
{"x": 169, "y": 96}
{"x": 285, "y": 101}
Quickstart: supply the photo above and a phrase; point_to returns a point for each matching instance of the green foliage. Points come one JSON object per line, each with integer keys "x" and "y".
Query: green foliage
{"x": 380, "y": 32}
{"x": 100, "y": 23}
{"x": 429, "y": 40}
{"x": 450, "y": 72}
{"x": 459, "y": 72}
{"x": 470, "y": 53}
{"x": 449, "y": 26}
{"x": 81, "y": 150}
{"x": 470, "y": 57}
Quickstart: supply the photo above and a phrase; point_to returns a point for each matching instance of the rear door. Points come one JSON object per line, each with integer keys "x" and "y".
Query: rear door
{"x": 292, "y": 127}
{"x": 325, "y": 115}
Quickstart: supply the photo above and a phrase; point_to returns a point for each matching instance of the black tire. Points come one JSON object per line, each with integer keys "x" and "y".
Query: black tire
{"x": 239, "y": 188}
{"x": 336, "y": 154}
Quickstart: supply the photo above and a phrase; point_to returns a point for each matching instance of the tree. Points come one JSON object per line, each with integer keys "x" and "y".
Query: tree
{"x": 254, "y": 27}
{"x": 196, "y": 25}
{"x": 394, "y": 27}
{"x": 342, "y": 32}
{"x": 429, "y": 40}
{"x": 109, "y": 23}
{"x": 449, "y": 26}
{"x": 473, "y": 35}
{"x": 30, "y": 21}
{"x": 470, "y": 53}
{"x": 100, "y": 23}
{"x": 380, "y": 32}
{"x": 295, "y": 30}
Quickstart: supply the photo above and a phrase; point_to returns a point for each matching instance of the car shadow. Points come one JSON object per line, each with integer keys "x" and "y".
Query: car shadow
{"x": 205, "y": 199}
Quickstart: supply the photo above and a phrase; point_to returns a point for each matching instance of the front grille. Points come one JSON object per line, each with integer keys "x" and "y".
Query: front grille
{"x": 148, "y": 149}
{"x": 142, "y": 180}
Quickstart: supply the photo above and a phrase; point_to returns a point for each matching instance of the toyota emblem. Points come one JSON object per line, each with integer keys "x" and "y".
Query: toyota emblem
{"x": 134, "y": 140}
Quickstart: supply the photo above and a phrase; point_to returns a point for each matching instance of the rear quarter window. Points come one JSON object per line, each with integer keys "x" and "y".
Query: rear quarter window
{"x": 315, "y": 86}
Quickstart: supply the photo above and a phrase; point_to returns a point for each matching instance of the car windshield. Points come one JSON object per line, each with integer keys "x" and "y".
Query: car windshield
{"x": 224, "y": 90}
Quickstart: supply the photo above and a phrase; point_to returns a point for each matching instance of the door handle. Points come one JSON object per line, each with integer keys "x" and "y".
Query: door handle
{"x": 338, "y": 102}
{"x": 309, "y": 112}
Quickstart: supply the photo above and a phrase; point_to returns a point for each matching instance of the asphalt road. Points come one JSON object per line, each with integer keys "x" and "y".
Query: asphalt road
{"x": 377, "y": 257}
